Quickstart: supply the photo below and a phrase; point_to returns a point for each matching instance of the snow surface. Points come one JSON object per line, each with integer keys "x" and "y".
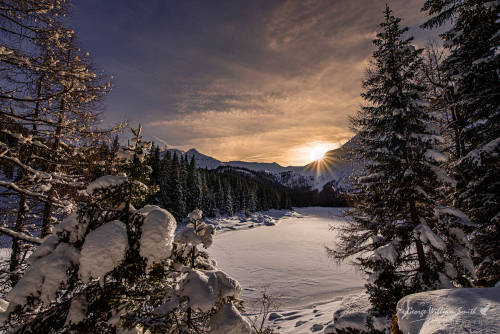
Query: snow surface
{"x": 466, "y": 310}
{"x": 104, "y": 249}
{"x": 289, "y": 260}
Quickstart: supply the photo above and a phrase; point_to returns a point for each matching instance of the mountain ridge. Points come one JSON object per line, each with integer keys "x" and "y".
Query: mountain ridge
{"x": 334, "y": 168}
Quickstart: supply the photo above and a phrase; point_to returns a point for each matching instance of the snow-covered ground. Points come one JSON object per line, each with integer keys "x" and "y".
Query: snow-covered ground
{"x": 289, "y": 260}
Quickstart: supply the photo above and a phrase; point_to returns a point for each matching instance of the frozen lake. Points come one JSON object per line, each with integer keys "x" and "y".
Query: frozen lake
{"x": 288, "y": 259}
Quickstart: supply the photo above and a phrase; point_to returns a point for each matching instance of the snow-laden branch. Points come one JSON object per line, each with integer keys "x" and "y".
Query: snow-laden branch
{"x": 39, "y": 196}
{"x": 46, "y": 98}
{"x": 19, "y": 235}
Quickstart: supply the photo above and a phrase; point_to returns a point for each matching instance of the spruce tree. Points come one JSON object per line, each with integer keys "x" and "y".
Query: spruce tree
{"x": 402, "y": 235}
{"x": 472, "y": 95}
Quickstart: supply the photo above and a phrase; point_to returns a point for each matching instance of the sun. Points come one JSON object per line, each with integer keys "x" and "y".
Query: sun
{"x": 317, "y": 152}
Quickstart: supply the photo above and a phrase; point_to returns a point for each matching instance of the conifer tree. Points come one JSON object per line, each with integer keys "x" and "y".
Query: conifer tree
{"x": 402, "y": 235}
{"x": 472, "y": 95}
{"x": 194, "y": 189}
{"x": 228, "y": 207}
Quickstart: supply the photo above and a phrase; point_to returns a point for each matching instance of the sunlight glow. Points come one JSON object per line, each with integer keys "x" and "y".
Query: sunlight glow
{"x": 317, "y": 153}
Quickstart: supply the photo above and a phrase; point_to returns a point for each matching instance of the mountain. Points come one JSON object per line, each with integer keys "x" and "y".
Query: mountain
{"x": 333, "y": 169}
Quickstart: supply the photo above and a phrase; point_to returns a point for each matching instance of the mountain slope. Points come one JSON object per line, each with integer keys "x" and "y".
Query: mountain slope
{"x": 335, "y": 167}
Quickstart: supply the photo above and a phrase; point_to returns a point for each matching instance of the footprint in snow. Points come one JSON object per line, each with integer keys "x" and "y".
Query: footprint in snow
{"x": 290, "y": 313}
{"x": 316, "y": 327}
{"x": 300, "y": 323}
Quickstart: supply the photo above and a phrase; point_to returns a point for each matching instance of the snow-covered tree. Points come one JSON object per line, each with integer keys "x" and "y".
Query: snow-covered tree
{"x": 401, "y": 233}
{"x": 472, "y": 97}
{"x": 109, "y": 267}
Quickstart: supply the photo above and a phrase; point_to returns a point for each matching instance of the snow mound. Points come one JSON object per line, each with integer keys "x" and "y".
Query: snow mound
{"x": 104, "y": 250}
{"x": 352, "y": 316}
{"x": 464, "y": 310}
{"x": 45, "y": 276}
{"x": 157, "y": 235}
{"x": 105, "y": 181}
{"x": 204, "y": 288}
{"x": 229, "y": 321}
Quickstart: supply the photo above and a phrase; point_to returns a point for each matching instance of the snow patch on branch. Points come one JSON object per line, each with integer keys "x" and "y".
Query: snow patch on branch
{"x": 229, "y": 321}
{"x": 387, "y": 252}
{"x": 204, "y": 288}
{"x": 105, "y": 182}
{"x": 45, "y": 276}
{"x": 433, "y": 155}
{"x": 158, "y": 231}
{"x": 424, "y": 233}
{"x": 104, "y": 249}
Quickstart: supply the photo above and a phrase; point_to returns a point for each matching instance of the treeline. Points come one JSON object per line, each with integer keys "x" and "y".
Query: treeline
{"x": 182, "y": 187}
{"x": 328, "y": 196}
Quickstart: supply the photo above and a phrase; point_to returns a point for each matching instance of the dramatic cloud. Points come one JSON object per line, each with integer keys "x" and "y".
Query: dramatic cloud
{"x": 239, "y": 80}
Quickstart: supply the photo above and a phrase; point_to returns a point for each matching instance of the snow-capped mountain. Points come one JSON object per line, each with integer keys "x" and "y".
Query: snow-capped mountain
{"x": 334, "y": 168}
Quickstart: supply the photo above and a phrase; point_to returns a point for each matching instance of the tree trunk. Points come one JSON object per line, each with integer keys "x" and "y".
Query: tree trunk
{"x": 423, "y": 268}
{"x": 15, "y": 257}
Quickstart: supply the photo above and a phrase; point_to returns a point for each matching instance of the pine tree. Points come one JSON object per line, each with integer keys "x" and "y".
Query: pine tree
{"x": 472, "y": 95}
{"x": 228, "y": 207}
{"x": 194, "y": 189}
{"x": 415, "y": 242}
{"x": 165, "y": 182}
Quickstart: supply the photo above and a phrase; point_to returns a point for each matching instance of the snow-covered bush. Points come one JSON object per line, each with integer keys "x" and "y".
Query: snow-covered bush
{"x": 110, "y": 267}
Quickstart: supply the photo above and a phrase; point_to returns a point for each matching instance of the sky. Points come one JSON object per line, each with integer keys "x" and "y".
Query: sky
{"x": 253, "y": 80}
